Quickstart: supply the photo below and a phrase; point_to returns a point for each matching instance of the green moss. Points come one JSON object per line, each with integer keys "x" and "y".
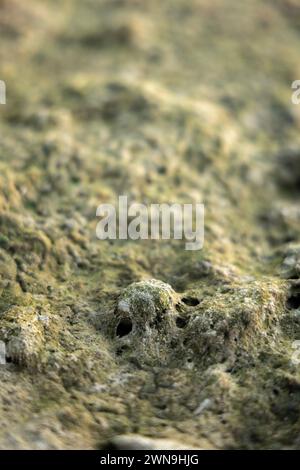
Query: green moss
{"x": 165, "y": 102}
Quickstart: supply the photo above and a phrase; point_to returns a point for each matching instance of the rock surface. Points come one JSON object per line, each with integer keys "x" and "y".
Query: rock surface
{"x": 163, "y": 101}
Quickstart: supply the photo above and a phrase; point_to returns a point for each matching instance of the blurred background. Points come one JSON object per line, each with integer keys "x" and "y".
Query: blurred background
{"x": 162, "y": 101}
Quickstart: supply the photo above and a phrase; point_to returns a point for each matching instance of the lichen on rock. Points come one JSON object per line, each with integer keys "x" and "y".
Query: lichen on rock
{"x": 145, "y": 320}
{"x": 140, "y": 342}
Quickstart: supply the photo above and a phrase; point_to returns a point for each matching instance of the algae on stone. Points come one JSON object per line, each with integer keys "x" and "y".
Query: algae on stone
{"x": 162, "y": 101}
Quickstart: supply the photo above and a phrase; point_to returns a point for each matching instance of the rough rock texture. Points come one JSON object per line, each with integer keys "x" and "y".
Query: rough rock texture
{"x": 162, "y": 101}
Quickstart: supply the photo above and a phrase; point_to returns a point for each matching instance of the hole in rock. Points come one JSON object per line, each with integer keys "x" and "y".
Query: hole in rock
{"x": 181, "y": 322}
{"x": 124, "y": 327}
{"x": 293, "y": 301}
{"x": 120, "y": 351}
{"x": 190, "y": 301}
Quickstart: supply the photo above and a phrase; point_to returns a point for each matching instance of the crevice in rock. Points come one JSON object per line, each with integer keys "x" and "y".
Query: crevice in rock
{"x": 124, "y": 327}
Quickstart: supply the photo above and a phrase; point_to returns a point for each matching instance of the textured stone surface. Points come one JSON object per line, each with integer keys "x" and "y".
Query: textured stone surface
{"x": 162, "y": 101}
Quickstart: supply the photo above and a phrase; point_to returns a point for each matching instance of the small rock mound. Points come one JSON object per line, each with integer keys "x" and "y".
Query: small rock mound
{"x": 138, "y": 442}
{"x": 145, "y": 319}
